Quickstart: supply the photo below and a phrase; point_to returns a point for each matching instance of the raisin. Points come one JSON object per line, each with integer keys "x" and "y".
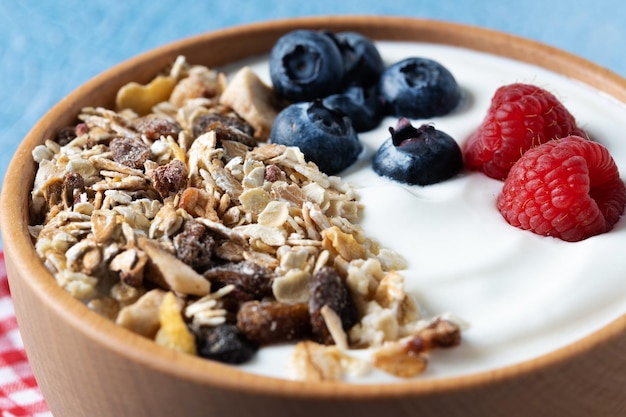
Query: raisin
{"x": 327, "y": 288}
{"x": 226, "y": 128}
{"x": 273, "y": 173}
{"x": 66, "y": 135}
{"x": 53, "y": 192}
{"x": 194, "y": 245}
{"x": 224, "y": 343}
{"x": 169, "y": 178}
{"x": 130, "y": 152}
{"x": 252, "y": 281}
{"x": 204, "y": 122}
{"x": 74, "y": 184}
{"x": 153, "y": 127}
{"x": 270, "y": 322}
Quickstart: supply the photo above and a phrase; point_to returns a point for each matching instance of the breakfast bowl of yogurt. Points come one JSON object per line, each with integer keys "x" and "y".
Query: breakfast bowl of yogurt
{"x": 199, "y": 231}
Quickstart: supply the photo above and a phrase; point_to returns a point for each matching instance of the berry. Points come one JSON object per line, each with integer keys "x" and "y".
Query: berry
{"x": 306, "y": 64}
{"x": 520, "y": 116}
{"x": 364, "y": 107}
{"x": 419, "y": 88}
{"x": 419, "y": 156}
{"x": 325, "y": 136}
{"x": 568, "y": 188}
{"x": 362, "y": 61}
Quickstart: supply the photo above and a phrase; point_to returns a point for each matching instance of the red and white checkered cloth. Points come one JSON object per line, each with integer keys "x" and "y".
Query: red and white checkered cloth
{"x": 19, "y": 393}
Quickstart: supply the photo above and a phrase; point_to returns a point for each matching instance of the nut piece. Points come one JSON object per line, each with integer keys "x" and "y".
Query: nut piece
{"x": 406, "y": 359}
{"x": 169, "y": 272}
{"x": 142, "y": 317}
{"x": 440, "y": 333}
{"x": 252, "y": 100}
{"x": 130, "y": 265}
{"x": 313, "y": 362}
{"x": 397, "y": 360}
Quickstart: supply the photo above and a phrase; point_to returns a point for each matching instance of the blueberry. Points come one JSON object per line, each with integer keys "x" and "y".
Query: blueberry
{"x": 363, "y": 106}
{"x": 306, "y": 64}
{"x": 418, "y": 156}
{"x": 362, "y": 61}
{"x": 419, "y": 88}
{"x": 224, "y": 343}
{"x": 325, "y": 136}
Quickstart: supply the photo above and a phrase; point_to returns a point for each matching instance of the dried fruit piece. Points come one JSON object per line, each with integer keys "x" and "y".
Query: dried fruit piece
{"x": 247, "y": 277}
{"x": 174, "y": 333}
{"x": 153, "y": 127}
{"x": 519, "y": 117}
{"x": 130, "y": 152}
{"x": 194, "y": 246}
{"x": 270, "y": 322}
{"x": 327, "y": 289}
{"x": 142, "y": 98}
{"x": 569, "y": 189}
{"x": 169, "y": 178}
{"x": 224, "y": 343}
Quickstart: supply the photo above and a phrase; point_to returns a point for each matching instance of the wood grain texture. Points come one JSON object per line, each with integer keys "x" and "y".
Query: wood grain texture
{"x": 87, "y": 366}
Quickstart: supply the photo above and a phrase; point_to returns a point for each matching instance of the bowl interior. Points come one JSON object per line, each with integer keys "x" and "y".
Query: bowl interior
{"x": 215, "y": 50}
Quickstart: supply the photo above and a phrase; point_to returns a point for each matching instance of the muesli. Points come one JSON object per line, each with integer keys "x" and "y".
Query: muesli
{"x": 172, "y": 217}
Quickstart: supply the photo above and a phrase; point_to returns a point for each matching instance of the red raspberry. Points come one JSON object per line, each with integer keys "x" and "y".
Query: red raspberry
{"x": 568, "y": 188}
{"x": 520, "y": 116}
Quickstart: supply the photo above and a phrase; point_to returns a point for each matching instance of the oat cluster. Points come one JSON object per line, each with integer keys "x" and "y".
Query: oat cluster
{"x": 170, "y": 216}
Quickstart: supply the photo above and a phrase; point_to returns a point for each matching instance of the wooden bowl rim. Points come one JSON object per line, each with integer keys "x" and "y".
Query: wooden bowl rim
{"x": 21, "y": 254}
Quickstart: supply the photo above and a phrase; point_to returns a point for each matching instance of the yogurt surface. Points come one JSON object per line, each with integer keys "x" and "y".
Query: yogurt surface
{"x": 522, "y": 295}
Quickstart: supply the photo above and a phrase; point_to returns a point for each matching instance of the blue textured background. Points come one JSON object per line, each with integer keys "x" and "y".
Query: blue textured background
{"x": 49, "y": 47}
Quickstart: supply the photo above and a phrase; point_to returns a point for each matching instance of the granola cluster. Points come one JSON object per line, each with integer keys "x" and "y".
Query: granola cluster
{"x": 173, "y": 218}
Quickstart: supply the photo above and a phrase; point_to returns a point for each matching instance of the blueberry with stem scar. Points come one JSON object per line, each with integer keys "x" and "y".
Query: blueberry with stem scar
{"x": 325, "y": 136}
{"x": 305, "y": 65}
{"x": 419, "y": 88}
{"x": 362, "y": 61}
{"x": 418, "y": 156}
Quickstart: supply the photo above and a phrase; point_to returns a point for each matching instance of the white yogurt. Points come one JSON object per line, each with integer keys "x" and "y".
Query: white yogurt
{"x": 523, "y": 295}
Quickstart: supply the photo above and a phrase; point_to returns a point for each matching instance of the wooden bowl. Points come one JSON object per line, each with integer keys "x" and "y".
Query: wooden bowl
{"x": 88, "y": 366}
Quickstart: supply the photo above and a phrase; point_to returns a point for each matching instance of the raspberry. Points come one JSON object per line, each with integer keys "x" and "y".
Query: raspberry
{"x": 520, "y": 117}
{"x": 568, "y": 188}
